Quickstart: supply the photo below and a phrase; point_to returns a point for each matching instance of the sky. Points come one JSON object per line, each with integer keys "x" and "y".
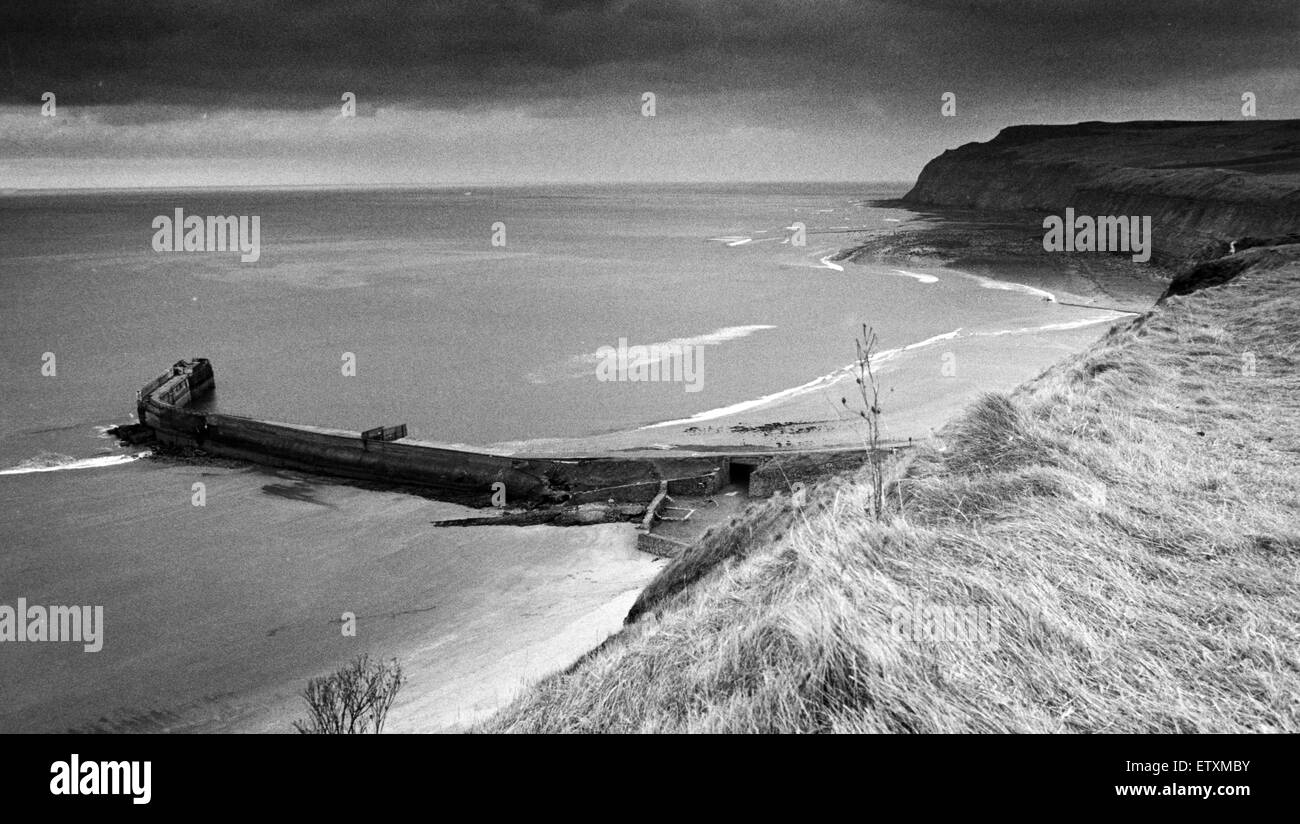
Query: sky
{"x": 474, "y": 92}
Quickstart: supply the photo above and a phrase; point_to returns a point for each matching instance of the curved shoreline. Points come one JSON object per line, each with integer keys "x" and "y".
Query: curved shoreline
{"x": 1104, "y": 507}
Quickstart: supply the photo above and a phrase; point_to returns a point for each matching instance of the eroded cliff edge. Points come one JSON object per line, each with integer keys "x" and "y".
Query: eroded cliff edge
{"x": 1204, "y": 184}
{"x": 1129, "y": 517}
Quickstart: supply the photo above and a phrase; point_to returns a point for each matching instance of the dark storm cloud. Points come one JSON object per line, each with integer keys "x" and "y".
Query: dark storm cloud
{"x": 296, "y": 55}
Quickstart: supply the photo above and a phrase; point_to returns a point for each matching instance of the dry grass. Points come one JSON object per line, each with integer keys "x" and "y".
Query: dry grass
{"x": 1130, "y": 520}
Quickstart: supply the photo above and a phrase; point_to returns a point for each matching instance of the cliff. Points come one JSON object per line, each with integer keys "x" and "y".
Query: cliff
{"x": 1204, "y": 184}
{"x": 1113, "y": 547}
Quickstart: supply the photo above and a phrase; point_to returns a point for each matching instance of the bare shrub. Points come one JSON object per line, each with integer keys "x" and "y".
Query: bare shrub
{"x": 354, "y": 700}
{"x": 869, "y": 388}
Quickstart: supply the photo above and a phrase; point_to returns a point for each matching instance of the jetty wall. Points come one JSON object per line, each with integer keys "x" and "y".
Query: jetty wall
{"x": 165, "y": 406}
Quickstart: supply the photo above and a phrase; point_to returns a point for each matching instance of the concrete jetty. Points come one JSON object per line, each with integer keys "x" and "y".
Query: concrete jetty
{"x": 698, "y": 488}
{"x": 166, "y": 407}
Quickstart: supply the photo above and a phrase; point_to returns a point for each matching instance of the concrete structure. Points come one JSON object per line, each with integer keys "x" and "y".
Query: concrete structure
{"x": 385, "y": 454}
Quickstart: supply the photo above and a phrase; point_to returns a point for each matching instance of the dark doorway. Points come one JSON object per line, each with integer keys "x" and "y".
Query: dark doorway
{"x": 740, "y": 472}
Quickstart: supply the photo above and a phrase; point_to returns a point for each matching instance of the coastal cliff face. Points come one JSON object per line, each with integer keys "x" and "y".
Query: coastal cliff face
{"x": 1106, "y": 507}
{"x": 1204, "y": 185}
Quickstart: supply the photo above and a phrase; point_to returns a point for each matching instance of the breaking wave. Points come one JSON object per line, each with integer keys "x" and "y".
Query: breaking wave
{"x": 55, "y": 462}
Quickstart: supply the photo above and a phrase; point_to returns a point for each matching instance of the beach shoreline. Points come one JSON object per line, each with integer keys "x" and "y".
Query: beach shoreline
{"x": 583, "y": 580}
{"x": 1103, "y": 508}
{"x": 998, "y": 250}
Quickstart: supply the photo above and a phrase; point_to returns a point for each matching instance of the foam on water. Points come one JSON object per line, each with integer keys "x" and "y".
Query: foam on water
{"x": 922, "y": 278}
{"x": 54, "y": 462}
{"x": 795, "y": 391}
{"x": 880, "y": 358}
{"x": 1055, "y": 327}
{"x": 582, "y": 365}
{"x": 1007, "y": 286}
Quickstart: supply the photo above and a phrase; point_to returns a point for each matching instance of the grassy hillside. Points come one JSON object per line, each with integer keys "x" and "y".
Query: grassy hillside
{"x": 1129, "y": 523}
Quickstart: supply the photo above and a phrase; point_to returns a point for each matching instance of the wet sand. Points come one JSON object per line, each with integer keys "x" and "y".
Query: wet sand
{"x": 922, "y": 387}
{"x": 216, "y": 616}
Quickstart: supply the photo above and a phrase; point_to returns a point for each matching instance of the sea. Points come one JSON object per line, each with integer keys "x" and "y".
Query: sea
{"x": 475, "y": 316}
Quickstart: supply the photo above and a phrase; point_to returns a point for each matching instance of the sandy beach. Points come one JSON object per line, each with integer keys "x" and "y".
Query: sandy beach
{"x": 927, "y": 382}
{"x": 471, "y": 614}
{"x": 272, "y": 560}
